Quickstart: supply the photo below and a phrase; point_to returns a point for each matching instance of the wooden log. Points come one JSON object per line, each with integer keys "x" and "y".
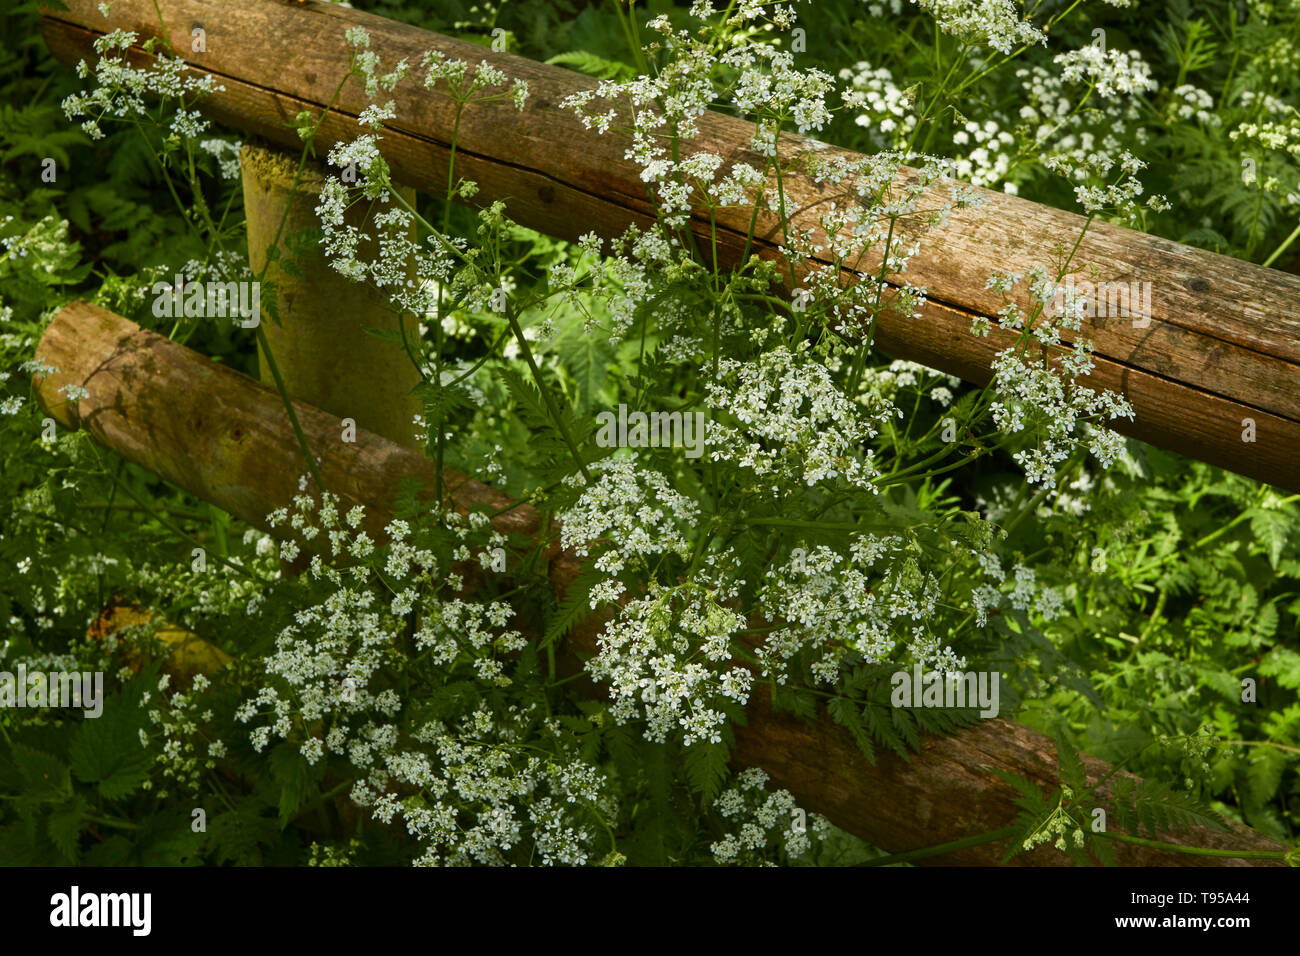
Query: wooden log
{"x": 225, "y": 438}
{"x": 1222, "y": 346}
{"x": 213, "y": 431}
{"x": 321, "y": 345}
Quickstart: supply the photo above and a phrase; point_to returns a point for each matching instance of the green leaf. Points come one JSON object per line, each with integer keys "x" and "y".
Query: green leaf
{"x": 107, "y": 751}
{"x": 1031, "y": 797}
{"x": 295, "y": 778}
{"x": 1281, "y": 663}
{"x": 64, "y": 826}
{"x": 574, "y": 607}
{"x": 45, "y": 778}
{"x": 795, "y": 700}
{"x": 440, "y": 401}
{"x": 1069, "y": 764}
{"x": 593, "y": 65}
{"x": 845, "y": 713}
{"x": 238, "y": 835}
{"x": 587, "y": 358}
{"x": 1267, "y": 766}
{"x": 706, "y": 768}
{"x": 1272, "y": 529}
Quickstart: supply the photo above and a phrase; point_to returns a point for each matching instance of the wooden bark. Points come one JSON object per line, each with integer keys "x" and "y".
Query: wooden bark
{"x": 1223, "y": 344}
{"x": 225, "y": 438}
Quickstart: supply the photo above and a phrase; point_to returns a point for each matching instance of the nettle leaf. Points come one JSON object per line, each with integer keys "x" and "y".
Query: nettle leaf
{"x": 64, "y": 827}
{"x": 237, "y": 835}
{"x": 115, "y": 850}
{"x": 19, "y": 847}
{"x": 45, "y": 778}
{"x": 106, "y": 750}
{"x": 166, "y": 838}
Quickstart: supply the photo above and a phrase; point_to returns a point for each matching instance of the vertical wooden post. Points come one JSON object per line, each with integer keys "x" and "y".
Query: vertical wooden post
{"x": 321, "y": 348}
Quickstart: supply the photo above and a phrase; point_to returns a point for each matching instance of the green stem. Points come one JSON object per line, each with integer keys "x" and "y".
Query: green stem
{"x": 1198, "y": 850}
{"x": 549, "y": 399}
{"x": 1285, "y": 245}
{"x": 943, "y": 848}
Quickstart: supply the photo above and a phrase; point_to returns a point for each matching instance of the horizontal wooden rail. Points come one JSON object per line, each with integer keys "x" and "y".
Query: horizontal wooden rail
{"x": 1222, "y": 346}
{"x": 225, "y": 438}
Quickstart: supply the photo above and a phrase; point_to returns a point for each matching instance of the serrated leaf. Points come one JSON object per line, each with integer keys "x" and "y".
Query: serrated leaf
{"x": 593, "y": 65}
{"x": 845, "y": 713}
{"x": 237, "y": 835}
{"x": 1265, "y": 773}
{"x": 46, "y": 778}
{"x": 1030, "y": 796}
{"x": 64, "y": 827}
{"x": 294, "y": 776}
{"x": 1272, "y": 529}
{"x": 587, "y": 358}
{"x": 574, "y": 607}
{"x": 706, "y": 768}
{"x": 106, "y": 751}
{"x": 1069, "y": 765}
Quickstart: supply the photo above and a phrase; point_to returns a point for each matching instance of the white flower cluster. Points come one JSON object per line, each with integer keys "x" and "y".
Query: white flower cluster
{"x": 887, "y": 208}
{"x": 1026, "y": 593}
{"x": 473, "y": 792}
{"x": 667, "y": 659}
{"x": 669, "y": 104}
{"x": 328, "y": 663}
{"x": 882, "y": 106}
{"x": 400, "y": 254}
{"x": 793, "y": 423}
{"x": 120, "y": 89}
{"x": 366, "y": 62}
{"x": 884, "y": 384}
{"x": 622, "y": 281}
{"x": 1050, "y": 108}
{"x": 831, "y": 605}
{"x": 768, "y": 823}
{"x": 475, "y": 86}
{"x": 1192, "y": 102}
{"x": 226, "y": 153}
{"x": 1040, "y": 396}
{"x": 1057, "y": 827}
{"x": 632, "y": 514}
{"x": 1002, "y": 24}
{"x": 186, "y": 750}
{"x": 1110, "y": 72}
